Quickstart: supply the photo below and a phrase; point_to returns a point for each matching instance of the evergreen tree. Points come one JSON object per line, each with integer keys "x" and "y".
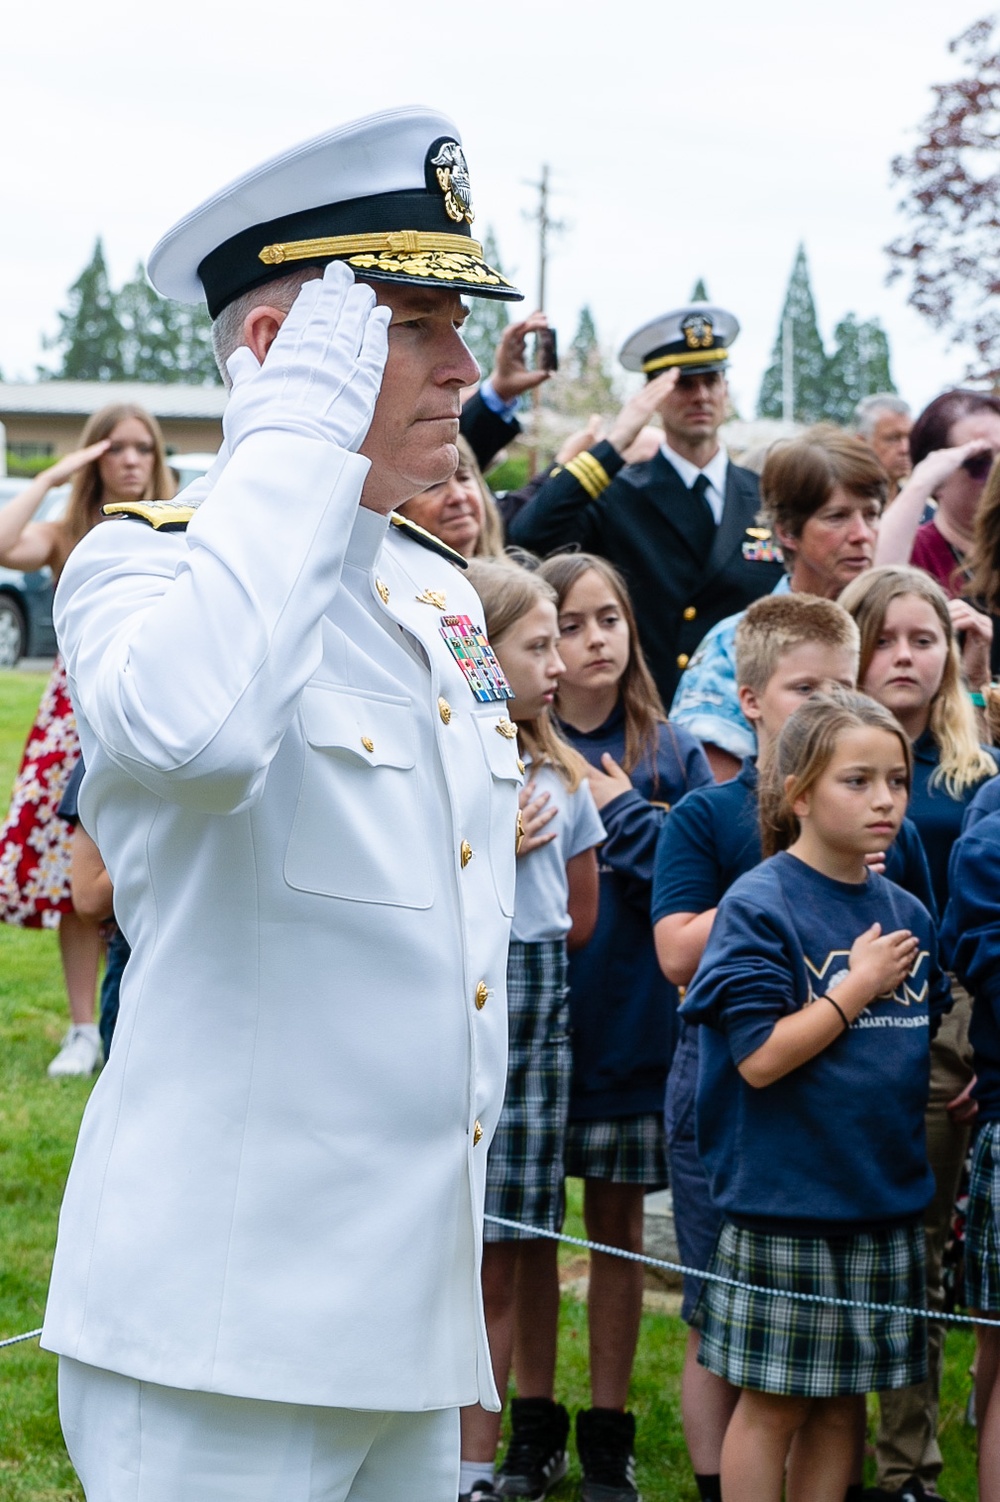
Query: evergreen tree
{"x": 700, "y": 293}
{"x": 583, "y": 347}
{"x": 89, "y": 337}
{"x": 858, "y": 367}
{"x": 488, "y": 317}
{"x": 163, "y": 340}
{"x": 809, "y": 361}
{"x": 585, "y": 382}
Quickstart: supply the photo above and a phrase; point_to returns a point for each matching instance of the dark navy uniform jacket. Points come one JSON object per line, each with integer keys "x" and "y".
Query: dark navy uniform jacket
{"x": 684, "y": 572}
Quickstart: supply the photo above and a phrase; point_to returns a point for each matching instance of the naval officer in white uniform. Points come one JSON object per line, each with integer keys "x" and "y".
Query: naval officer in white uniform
{"x": 303, "y": 780}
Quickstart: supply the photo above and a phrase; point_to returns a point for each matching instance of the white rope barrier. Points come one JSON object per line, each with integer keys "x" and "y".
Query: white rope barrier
{"x": 694, "y": 1272}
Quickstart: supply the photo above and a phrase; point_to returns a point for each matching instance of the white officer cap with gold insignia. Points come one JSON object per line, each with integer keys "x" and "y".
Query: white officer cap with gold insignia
{"x": 388, "y": 194}
{"x": 693, "y": 339}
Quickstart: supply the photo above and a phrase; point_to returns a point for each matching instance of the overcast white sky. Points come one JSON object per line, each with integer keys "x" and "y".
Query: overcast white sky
{"x": 683, "y": 141}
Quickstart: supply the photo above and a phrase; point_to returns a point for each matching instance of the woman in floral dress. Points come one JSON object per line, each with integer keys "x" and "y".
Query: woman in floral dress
{"x": 121, "y": 458}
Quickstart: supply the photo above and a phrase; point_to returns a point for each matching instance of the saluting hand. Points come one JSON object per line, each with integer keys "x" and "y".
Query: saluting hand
{"x": 322, "y": 374}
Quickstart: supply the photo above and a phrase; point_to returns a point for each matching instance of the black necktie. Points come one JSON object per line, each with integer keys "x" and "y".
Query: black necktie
{"x": 699, "y": 488}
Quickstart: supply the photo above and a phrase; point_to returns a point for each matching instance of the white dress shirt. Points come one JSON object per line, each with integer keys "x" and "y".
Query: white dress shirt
{"x": 714, "y": 472}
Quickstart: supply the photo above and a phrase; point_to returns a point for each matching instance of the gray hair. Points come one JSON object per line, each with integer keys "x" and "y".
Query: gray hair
{"x": 870, "y": 408}
{"x": 227, "y": 328}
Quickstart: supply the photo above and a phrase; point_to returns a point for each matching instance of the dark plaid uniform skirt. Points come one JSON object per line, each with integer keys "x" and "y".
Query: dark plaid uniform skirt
{"x": 982, "y": 1223}
{"x": 621, "y": 1150}
{"x": 524, "y": 1169}
{"x": 771, "y": 1344}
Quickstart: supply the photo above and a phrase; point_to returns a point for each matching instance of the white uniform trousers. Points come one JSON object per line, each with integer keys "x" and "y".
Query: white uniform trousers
{"x": 134, "y": 1441}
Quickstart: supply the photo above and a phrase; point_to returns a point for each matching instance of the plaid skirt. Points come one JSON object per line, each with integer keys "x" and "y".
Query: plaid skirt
{"x": 621, "y": 1150}
{"x": 524, "y": 1168}
{"x": 799, "y": 1349}
{"x": 982, "y": 1224}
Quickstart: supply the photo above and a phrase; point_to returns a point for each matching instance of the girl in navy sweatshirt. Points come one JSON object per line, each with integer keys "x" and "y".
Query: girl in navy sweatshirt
{"x": 816, "y": 997}
{"x": 623, "y": 1010}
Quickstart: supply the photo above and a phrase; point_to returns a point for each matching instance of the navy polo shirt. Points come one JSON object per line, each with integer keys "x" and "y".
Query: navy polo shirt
{"x": 711, "y": 837}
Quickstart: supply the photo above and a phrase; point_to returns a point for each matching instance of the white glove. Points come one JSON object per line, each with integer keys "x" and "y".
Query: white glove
{"x": 321, "y": 376}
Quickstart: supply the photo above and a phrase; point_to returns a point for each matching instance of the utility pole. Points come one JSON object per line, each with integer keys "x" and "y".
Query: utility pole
{"x": 546, "y": 226}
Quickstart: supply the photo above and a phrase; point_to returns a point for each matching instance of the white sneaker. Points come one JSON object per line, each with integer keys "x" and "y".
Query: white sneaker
{"x": 80, "y": 1052}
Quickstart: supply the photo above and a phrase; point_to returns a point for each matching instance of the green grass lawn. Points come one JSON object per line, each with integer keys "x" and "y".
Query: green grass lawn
{"x": 38, "y": 1123}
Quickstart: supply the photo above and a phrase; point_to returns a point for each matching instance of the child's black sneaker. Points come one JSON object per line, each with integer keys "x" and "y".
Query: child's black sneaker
{"x": 536, "y": 1456}
{"x": 482, "y": 1491}
{"x": 605, "y": 1440}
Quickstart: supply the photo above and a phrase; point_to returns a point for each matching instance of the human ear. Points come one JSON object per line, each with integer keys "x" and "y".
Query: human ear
{"x": 260, "y": 328}
{"x": 800, "y": 806}
{"x": 749, "y": 704}
{"x": 786, "y": 541}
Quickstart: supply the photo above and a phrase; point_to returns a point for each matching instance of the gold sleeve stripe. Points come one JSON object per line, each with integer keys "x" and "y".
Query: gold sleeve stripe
{"x": 689, "y": 357}
{"x": 589, "y": 473}
{"x": 583, "y": 477}
{"x": 400, "y": 242}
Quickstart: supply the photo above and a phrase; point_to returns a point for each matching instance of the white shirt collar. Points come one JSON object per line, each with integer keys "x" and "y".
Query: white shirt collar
{"x": 714, "y": 471}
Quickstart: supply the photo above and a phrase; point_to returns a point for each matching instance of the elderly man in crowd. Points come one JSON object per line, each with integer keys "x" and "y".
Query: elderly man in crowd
{"x": 682, "y": 526}
{"x": 303, "y": 781}
{"x": 884, "y": 422}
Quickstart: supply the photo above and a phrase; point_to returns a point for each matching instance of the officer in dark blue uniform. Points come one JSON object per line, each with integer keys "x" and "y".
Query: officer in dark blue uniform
{"x": 682, "y": 526}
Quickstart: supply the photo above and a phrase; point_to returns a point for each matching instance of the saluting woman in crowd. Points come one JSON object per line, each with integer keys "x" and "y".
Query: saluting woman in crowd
{"x": 121, "y": 458}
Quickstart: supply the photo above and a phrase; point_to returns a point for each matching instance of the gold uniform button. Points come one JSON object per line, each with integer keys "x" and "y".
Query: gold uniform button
{"x": 383, "y": 591}
{"x": 368, "y": 743}
{"x": 466, "y": 853}
{"x": 477, "y": 1134}
{"x": 689, "y": 613}
{"x": 520, "y": 766}
{"x": 482, "y": 992}
{"x": 444, "y": 710}
{"x": 683, "y": 660}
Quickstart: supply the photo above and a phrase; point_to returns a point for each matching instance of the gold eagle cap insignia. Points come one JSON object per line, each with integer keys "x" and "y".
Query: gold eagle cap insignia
{"x": 698, "y": 332}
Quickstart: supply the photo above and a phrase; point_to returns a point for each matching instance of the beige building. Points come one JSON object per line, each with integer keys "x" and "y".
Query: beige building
{"x": 44, "y": 418}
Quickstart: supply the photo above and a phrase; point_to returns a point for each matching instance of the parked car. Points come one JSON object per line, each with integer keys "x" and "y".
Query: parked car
{"x": 26, "y": 628}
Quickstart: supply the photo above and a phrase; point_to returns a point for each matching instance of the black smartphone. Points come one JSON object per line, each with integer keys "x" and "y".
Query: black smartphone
{"x": 546, "y": 353}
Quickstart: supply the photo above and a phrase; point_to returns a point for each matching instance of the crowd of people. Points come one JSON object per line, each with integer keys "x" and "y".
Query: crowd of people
{"x": 867, "y": 560}
{"x": 746, "y": 932}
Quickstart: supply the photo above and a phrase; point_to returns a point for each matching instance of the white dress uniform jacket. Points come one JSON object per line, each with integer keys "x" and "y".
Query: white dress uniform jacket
{"x": 310, "y": 825}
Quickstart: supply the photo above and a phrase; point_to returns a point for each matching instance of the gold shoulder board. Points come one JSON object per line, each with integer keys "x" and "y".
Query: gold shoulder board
{"x": 427, "y": 539}
{"x": 163, "y": 516}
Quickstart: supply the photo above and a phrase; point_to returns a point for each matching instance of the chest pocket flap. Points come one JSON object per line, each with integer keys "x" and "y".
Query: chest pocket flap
{"x": 361, "y": 828}
{"x": 378, "y": 732}
{"x": 500, "y": 748}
